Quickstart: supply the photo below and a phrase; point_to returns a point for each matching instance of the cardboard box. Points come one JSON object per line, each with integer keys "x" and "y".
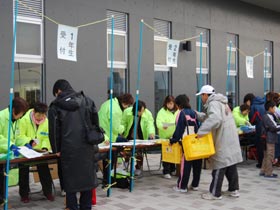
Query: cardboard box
{"x": 53, "y": 170}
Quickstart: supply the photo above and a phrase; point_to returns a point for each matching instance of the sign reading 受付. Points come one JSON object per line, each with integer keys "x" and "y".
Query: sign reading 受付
{"x": 172, "y": 52}
{"x": 67, "y": 42}
{"x": 249, "y": 66}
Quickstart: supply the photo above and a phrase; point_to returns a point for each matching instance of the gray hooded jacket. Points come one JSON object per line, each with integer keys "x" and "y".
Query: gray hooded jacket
{"x": 219, "y": 120}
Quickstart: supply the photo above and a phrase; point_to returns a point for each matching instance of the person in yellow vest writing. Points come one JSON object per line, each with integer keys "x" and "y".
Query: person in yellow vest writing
{"x": 19, "y": 107}
{"x": 34, "y": 128}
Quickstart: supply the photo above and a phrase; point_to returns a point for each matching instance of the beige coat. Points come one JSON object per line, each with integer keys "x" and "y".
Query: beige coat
{"x": 219, "y": 120}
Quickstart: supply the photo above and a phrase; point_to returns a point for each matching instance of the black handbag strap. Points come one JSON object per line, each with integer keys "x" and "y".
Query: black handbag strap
{"x": 83, "y": 114}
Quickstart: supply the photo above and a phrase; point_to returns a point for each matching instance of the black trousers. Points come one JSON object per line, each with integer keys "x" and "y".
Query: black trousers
{"x": 186, "y": 167}
{"x": 168, "y": 168}
{"x": 218, "y": 177}
{"x": 105, "y": 164}
{"x": 260, "y": 146}
{"x": 59, "y": 171}
{"x": 44, "y": 175}
{"x": 84, "y": 201}
{"x": 2, "y": 184}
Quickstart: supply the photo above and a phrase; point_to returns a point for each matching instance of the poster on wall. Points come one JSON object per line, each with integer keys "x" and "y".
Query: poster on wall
{"x": 67, "y": 42}
{"x": 249, "y": 66}
{"x": 172, "y": 52}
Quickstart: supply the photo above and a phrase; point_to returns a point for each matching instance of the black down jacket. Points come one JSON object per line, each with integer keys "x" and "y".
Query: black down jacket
{"x": 66, "y": 132}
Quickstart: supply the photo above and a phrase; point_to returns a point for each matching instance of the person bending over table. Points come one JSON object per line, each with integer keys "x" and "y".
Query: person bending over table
{"x": 34, "y": 129}
{"x": 119, "y": 104}
{"x": 19, "y": 107}
{"x": 145, "y": 128}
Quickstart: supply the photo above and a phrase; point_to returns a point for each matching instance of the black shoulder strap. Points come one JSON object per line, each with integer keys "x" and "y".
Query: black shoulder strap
{"x": 83, "y": 110}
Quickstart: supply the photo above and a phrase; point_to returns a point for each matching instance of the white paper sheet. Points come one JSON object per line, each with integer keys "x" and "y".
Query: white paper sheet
{"x": 29, "y": 153}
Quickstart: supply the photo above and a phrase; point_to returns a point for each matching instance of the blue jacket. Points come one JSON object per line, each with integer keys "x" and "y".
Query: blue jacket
{"x": 187, "y": 117}
{"x": 256, "y": 112}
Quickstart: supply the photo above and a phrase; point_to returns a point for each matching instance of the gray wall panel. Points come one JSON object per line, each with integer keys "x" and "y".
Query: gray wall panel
{"x": 252, "y": 24}
{"x": 6, "y": 41}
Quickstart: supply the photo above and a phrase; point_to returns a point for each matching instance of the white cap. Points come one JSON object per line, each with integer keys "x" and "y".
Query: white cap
{"x": 208, "y": 89}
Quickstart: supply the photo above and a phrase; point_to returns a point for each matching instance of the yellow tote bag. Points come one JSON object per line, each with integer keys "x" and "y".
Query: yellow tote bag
{"x": 171, "y": 153}
{"x": 198, "y": 148}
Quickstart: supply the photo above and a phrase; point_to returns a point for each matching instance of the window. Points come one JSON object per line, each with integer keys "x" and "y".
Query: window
{"x": 28, "y": 81}
{"x": 29, "y": 51}
{"x": 162, "y": 71}
{"x": 120, "y": 51}
{"x": 232, "y": 73}
{"x": 205, "y": 57}
{"x": 268, "y": 66}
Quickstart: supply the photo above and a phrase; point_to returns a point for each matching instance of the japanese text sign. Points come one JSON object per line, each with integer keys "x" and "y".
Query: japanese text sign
{"x": 172, "y": 52}
{"x": 249, "y": 66}
{"x": 67, "y": 42}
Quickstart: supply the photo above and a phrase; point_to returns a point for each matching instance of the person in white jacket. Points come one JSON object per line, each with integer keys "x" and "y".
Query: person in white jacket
{"x": 218, "y": 119}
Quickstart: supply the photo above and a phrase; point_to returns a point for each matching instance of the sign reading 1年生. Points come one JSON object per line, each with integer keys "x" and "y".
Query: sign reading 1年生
{"x": 67, "y": 42}
{"x": 172, "y": 52}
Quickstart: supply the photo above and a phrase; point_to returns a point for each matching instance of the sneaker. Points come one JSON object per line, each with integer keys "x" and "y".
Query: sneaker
{"x": 62, "y": 193}
{"x": 194, "y": 188}
{"x": 167, "y": 176}
{"x": 209, "y": 196}
{"x": 50, "y": 197}
{"x": 261, "y": 173}
{"x": 234, "y": 193}
{"x": 258, "y": 165}
{"x": 25, "y": 199}
{"x": 271, "y": 176}
{"x": 173, "y": 173}
{"x": 137, "y": 172}
{"x": 180, "y": 190}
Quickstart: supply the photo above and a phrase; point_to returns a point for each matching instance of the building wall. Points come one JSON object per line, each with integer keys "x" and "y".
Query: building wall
{"x": 89, "y": 73}
{"x": 6, "y": 38}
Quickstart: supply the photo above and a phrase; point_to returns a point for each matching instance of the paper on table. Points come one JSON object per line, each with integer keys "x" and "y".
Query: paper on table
{"x": 165, "y": 124}
{"x": 29, "y": 153}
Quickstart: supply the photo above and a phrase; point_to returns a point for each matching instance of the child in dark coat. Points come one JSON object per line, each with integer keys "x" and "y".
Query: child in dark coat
{"x": 270, "y": 128}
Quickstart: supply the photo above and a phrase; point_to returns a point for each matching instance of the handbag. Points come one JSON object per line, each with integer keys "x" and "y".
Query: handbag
{"x": 171, "y": 153}
{"x": 94, "y": 134}
{"x": 198, "y": 148}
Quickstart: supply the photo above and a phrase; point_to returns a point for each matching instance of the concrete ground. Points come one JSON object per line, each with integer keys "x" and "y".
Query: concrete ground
{"x": 152, "y": 192}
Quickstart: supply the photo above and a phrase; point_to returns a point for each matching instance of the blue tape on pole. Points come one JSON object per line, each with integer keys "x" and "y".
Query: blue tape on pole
{"x": 136, "y": 103}
{"x": 228, "y": 67}
{"x": 10, "y": 107}
{"x": 109, "y": 191}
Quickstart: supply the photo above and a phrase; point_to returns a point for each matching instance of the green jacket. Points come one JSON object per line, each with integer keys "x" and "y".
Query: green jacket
{"x": 104, "y": 118}
{"x": 166, "y": 116}
{"x": 238, "y": 117}
{"x": 15, "y": 132}
{"x": 29, "y": 131}
{"x": 147, "y": 122}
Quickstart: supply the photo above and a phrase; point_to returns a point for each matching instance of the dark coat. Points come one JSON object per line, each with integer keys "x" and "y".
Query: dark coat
{"x": 66, "y": 132}
{"x": 271, "y": 127}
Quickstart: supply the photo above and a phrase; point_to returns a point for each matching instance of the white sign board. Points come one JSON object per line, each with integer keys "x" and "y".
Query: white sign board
{"x": 172, "y": 52}
{"x": 67, "y": 42}
{"x": 249, "y": 66}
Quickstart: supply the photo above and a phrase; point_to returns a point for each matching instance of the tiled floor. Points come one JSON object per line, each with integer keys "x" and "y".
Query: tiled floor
{"x": 152, "y": 192}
